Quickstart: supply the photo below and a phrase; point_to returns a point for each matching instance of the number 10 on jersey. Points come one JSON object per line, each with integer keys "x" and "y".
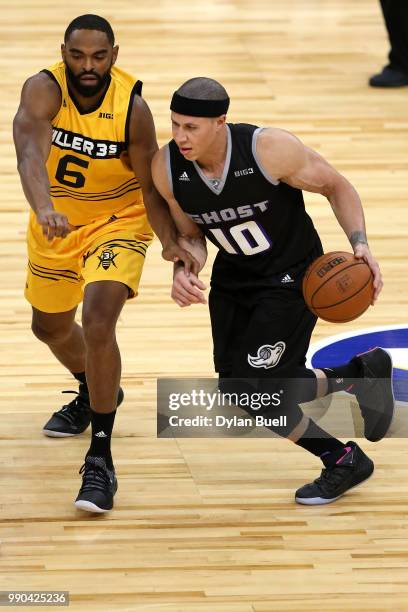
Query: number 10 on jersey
{"x": 249, "y": 239}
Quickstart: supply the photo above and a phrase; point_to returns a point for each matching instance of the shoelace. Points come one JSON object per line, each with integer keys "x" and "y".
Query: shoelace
{"x": 94, "y": 477}
{"x": 70, "y": 411}
{"x": 332, "y": 477}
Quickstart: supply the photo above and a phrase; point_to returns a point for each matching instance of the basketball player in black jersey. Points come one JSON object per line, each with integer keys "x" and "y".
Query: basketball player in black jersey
{"x": 241, "y": 186}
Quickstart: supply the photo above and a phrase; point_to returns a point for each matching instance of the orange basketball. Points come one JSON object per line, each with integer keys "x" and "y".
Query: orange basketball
{"x": 337, "y": 287}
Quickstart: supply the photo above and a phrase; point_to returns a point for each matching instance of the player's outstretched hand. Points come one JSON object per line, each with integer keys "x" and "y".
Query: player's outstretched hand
{"x": 175, "y": 253}
{"x": 187, "y": 290}
{"x": 362, "y": 251}
{"x": 54, "y": 224}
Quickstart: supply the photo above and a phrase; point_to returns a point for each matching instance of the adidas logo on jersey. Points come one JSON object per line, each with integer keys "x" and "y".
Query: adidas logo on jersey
{"x": 287, "y": 279}
{"x": 184, "y": 177}
{"x": 101, "y": 434}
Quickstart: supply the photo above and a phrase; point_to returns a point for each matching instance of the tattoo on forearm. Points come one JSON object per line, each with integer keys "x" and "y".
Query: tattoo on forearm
{"x": 358, "y": 238}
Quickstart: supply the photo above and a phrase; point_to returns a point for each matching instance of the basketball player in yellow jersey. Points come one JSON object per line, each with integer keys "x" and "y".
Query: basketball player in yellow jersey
{"x": 85, "y": 139}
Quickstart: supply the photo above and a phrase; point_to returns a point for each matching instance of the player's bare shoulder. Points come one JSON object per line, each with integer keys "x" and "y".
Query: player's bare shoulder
{"x": 141, "y": 127}
{"x": 279, "y": 151}
{"x": 139, "y": 107}
{"x": 160, "y": 175}
{"x": 40, "y": 97}
{"x": 159, "y": 159}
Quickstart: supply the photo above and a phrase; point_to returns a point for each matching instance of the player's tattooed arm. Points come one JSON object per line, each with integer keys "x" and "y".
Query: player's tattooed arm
{"x": 289, "y": 160}
{"x": 358, "y": 238}
{"x": 358, "y": 241}
{"x": 32, "y": 131}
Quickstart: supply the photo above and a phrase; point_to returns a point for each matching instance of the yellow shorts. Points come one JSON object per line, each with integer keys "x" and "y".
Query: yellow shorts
{"x": 108, "y": 249}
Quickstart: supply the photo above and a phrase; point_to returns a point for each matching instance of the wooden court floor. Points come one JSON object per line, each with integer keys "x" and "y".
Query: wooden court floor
{"x": 206, "y": 525}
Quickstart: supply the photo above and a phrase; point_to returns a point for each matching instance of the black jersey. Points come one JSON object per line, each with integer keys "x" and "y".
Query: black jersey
{"x": 259, "y": 224}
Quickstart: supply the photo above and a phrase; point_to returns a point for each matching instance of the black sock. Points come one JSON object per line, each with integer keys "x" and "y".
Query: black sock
{"x": 338, "y": 378}
{"x": 319, "y": 442}
{"x": 80, "y": 376}
{"x": 102, "y": 426}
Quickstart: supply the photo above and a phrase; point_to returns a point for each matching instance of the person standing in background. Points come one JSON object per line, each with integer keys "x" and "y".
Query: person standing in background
{"x": 395, "y": 73}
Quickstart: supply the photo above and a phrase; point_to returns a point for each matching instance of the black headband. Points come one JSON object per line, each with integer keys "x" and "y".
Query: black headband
{"x": 199, "y": 108}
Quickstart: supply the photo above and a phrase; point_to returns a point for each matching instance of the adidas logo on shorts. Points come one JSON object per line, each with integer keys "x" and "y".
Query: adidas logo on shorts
{"x": 184, "y": 177}
{"x": 287, "y": 279}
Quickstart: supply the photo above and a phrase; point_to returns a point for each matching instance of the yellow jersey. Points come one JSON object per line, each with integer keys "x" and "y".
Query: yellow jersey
{"x": 88, "y": 165}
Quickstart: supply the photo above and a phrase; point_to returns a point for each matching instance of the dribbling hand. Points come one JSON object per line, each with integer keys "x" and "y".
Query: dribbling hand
{"x": 362, "y": 251}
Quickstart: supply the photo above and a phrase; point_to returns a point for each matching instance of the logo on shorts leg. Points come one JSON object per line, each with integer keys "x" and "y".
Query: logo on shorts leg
{"x": 107, "y": 258}
{"x": 268, "y": 355}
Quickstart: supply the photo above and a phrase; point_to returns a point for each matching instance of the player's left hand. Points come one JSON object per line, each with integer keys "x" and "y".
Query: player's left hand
{"x": 187, "y": 290}
{"x": 173, "y": 252}
{"x": 362, "y": 251}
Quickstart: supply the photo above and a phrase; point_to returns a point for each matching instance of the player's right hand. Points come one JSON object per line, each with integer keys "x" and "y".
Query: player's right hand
{"x": 186, "y": 289}
{"x": 54, "y": 224}
{"x": 362, "y": 251}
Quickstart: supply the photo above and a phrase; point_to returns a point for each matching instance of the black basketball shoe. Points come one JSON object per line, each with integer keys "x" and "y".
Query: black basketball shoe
{"x": 99, "y": 485}
{"x": 73, "y": 418}
{"x": 353, "y": 468}
{"x": 389, "y": 77}
{"x": 374, "y": 393}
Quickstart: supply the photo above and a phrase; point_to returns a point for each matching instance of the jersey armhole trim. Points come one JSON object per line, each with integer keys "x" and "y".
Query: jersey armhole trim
{"x": 52, "y": 77}
{"x": 266, "y": 174}
{"x": 168, "y": 167}
{"x": 136, "y": 91}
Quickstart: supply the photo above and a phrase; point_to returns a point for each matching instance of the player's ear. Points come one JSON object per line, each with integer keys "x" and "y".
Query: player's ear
{"x": 221, "y": 121}
{"x": 63, "y": 51}
{"x": 115, "y": 53}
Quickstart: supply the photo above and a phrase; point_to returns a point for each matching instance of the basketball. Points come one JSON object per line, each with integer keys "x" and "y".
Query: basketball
{"x": 338, "y": 287}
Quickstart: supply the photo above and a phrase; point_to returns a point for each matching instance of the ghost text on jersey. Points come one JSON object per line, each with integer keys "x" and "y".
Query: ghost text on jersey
{"x": 96, "y": 149}
{"x": 231, "y": 214}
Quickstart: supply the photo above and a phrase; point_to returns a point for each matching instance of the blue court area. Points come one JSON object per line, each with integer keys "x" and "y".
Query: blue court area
{"x": 332, "y": 351}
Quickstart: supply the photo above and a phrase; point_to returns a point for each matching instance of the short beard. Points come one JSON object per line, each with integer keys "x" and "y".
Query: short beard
{"x": 87, "y": 91}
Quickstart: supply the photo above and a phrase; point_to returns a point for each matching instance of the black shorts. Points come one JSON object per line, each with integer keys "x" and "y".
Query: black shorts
{"x": 265, "y": 332}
